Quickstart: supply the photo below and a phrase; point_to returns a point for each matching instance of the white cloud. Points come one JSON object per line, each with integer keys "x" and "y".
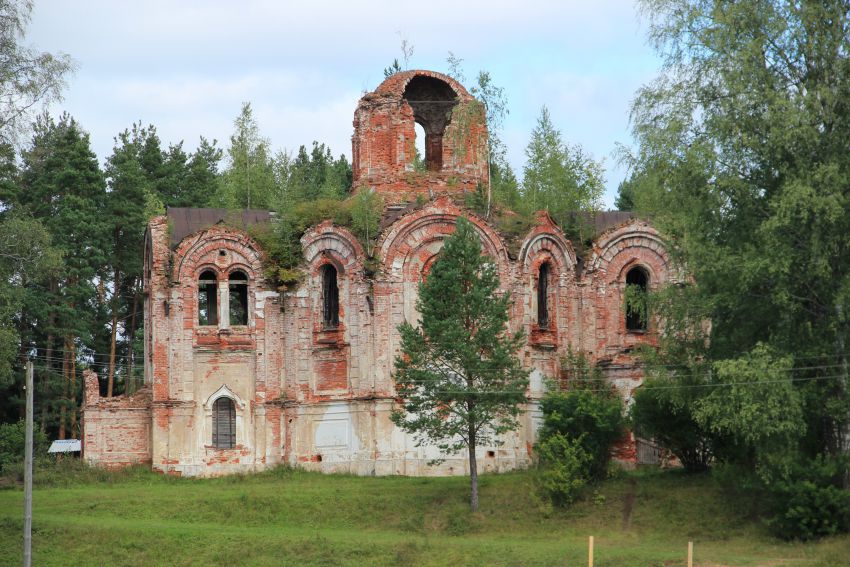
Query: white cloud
{"x": 187, "y": 66}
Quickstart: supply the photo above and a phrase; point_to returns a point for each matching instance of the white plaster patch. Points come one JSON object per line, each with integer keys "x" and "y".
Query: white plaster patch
{"x": 537, "y": 382}
{"x": 261, "y": 297}
{"x": 333, "y": 433}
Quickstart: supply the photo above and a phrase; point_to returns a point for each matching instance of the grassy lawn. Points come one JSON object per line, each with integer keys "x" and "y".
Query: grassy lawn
{"x": 287, "y": 517}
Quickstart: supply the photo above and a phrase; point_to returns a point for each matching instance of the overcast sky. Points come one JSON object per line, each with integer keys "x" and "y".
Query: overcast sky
{"x": 186, "y": 66}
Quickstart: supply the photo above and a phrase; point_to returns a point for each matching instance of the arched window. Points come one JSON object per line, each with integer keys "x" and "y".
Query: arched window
{"x": 330, "y": 297}
{"x": 432, "y": 101}
{"x": 543, "y": 296}
{"x": 637, "y": 283}
{"x": 208, "y": 298}
{"x": 224, "y": 423}
{"x": 238, "y": 302}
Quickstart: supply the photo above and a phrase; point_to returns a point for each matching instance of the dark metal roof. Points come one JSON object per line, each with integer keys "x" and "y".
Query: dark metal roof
{"x": 603, "y": 220}
{"x": 184, "y": 221}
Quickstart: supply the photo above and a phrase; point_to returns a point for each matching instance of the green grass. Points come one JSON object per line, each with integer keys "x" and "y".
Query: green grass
{"x": 287, "y": 517}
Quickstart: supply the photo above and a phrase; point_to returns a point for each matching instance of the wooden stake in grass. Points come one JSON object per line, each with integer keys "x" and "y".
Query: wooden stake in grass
{"x": 690, "y": 554}
{"x": 590, "y": 552}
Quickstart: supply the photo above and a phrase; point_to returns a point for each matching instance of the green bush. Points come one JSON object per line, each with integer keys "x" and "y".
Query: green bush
{"x": 562, "y": 470}
{"x": 657, "y": 413}
{"x": 811, "y": 503}
{"x": 12, "y": 440}
{"x": 809, "y": 511}
{"x": 589, "y": 413}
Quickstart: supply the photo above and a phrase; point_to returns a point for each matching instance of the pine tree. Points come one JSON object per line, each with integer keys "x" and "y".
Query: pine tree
{"x": 458, "y": 375}
{"x": 63, "y": 187}
{"x": 130, "y": 189}
{"x": 202, "y": 177}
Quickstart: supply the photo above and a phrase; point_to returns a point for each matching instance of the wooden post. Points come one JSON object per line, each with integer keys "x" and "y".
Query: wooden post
{"x": 690, "y": 554}
{"x": 590, "y": 552}
{"x": 28, "y": 473}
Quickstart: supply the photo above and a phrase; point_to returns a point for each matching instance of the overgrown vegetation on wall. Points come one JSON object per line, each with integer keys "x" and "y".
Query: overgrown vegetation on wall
{"x": 281, "y": 239}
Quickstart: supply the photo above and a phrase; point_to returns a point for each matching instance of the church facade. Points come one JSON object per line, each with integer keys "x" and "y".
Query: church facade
{"x": 241, "y": 376}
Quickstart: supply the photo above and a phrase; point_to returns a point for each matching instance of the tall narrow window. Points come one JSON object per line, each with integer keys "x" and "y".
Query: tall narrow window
{"x": 330, "y": 297}
{"x": 208, "y": 299}
{"x": 224, "y": 423}
{"x": 637, "y": 282}
{"x": 543, "y": 296}
{"x": 238, "y": 302}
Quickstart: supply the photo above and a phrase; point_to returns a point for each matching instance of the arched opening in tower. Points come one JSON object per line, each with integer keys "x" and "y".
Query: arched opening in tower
{"x": 432, "y": 101}
{"x": 419, "y": 145}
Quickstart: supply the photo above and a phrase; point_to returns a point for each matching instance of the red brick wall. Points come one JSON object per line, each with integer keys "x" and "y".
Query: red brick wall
{"x": 383, "y": 142}
{"x": 116, "y": 431}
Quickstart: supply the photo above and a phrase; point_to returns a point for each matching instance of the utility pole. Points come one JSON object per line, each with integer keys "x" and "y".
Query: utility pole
{"x": 28, "y": 473}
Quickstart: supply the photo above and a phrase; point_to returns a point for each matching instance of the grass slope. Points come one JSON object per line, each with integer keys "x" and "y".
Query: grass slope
{"x": 288, "y": 517}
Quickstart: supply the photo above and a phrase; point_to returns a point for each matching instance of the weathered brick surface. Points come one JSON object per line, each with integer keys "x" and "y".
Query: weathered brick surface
{"x": 383, "y": 143}
{"x": 116, "y": 431}
{"x": 321, "y": 397}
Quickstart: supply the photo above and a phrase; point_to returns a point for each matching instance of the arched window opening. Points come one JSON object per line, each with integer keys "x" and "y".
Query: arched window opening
{"x": 419, "y": 163}
{"x": 224, "y": 424}
{"x": 432, "y": 101}
{"x": 238, "y": 302}
{"x": 637, "y": 284}
{"x": 330, "y": 297}
{"x": 543, "y": 296}
{"x": 208, "y": 298}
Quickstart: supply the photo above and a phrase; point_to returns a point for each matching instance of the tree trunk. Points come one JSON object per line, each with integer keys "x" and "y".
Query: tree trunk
{"x": 73, "y": 376}
{"x": 63, "y": 407}
{"x": 473, "y": 470}
{"x": 131, "y": 334}
{"x": 112, "y": 342}
{"x": 48, "y": 363}
{"x": 45, "y": 378}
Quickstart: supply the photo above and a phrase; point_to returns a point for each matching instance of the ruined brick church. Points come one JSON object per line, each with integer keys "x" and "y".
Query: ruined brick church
{"x": 241, "y": 376}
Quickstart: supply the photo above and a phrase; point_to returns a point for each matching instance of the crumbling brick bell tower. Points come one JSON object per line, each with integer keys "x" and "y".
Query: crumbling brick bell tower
{"x": 383, "y": 144}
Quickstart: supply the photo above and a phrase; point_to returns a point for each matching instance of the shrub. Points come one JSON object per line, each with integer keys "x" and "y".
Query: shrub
{"x": 12, "y": 440}
{"x": 589, "y": 414}
{"x": 811, "y": 503}
{"x": 563, "y": 468}
{"x": 658, "y": 414}
{"x": 808, "y": 511}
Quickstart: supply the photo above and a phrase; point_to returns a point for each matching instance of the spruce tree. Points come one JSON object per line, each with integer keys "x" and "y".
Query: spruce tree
{"x": 458, "y": 375}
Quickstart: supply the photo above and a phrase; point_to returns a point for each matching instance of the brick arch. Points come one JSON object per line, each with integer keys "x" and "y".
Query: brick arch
{"x": 545, "y": 244}
{"x": 434, "y": 223}
{"x": 396, "y": 84}
{"x": 202, "y": 249}
{"x": 635, "y": 243}
{"x": 547, "y": 238}
{"x": 327, "y": 243}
